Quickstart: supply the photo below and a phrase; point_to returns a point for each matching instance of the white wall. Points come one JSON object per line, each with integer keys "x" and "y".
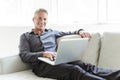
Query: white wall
{"x": 9, "y": 39}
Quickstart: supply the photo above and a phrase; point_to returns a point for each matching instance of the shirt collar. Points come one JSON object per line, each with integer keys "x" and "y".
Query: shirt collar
{"x": 46, "y": 30}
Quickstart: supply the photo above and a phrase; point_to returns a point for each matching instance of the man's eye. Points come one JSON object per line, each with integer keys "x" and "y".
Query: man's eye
{"x": 44, "y": 18}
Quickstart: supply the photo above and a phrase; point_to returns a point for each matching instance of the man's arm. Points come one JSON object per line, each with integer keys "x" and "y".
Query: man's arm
{"x": 24, "y": 51}
{"x": 80, "y": 32}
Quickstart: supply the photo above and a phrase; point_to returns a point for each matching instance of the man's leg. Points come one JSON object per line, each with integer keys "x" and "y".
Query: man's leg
{"x": 108, "y": 74}
{"x": 105, "y": 73}
{"x": 65, "y": 72}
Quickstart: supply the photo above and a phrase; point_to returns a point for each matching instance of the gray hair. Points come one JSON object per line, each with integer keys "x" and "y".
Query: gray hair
{"x": 40, "y": 10}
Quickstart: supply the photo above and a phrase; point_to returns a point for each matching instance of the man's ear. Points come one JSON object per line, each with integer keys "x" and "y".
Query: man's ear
{"x": 33, "y": 19}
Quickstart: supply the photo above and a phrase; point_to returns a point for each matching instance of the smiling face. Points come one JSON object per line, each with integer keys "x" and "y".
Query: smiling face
{"x": 40, "y": 20}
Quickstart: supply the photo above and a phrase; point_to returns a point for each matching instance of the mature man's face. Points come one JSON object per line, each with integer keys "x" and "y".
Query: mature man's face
{"x": 40, "y": 20}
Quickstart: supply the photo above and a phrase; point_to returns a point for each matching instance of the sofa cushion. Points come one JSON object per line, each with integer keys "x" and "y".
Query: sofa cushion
{"x": 110, "y": 51}
{"x": 11, "y": 64}
{"x": 23, "y": 75}
{"x": 92, "y": 51}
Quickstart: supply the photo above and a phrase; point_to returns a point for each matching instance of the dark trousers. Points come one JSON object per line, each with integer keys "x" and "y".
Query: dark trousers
{"x": 76, "y": 70}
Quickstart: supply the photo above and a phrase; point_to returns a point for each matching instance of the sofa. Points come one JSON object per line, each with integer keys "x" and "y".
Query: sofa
{"x": 103, "y": 50}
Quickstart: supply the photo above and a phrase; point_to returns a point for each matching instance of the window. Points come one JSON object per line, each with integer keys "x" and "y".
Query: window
{"x": 20, "y": 12}
{"x": 77, "y": 11}
{"x": 9, "y": 12}
{"x": 113, "y": 11}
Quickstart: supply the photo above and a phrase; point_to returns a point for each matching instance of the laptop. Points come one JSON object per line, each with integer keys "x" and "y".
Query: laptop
{"x": 68, "y": 50}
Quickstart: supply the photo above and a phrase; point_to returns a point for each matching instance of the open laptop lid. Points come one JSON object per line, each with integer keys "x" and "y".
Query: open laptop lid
{"x": 71, "y": 50}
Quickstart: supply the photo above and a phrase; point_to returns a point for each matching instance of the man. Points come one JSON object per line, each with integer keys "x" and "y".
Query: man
{"x": 42, "y": 42}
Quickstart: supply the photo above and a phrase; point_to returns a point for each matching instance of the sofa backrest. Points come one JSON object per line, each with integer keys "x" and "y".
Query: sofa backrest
{"x": 110, "y": 51}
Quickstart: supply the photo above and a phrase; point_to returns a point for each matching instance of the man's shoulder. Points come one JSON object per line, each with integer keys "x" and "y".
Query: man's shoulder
{"x": 26, "y": 35}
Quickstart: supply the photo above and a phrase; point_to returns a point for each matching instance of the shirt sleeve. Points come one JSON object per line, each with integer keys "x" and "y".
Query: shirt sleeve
{"x": 24, "y": 51}
{"x": 60, "y": 33}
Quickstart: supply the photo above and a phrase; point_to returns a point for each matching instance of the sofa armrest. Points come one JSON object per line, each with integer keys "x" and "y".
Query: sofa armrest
{"x": 12, "y": 64}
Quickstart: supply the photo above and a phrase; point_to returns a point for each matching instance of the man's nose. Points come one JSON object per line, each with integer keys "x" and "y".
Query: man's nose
{"x": 42, "y": 21}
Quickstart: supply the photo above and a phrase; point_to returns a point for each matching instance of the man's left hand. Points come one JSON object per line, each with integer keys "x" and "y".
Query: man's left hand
{"x": 84, "y": 34}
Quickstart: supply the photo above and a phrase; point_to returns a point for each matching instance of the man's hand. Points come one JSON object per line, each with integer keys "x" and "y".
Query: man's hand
{"x": 50, "y": 55}
{"x": 84, "y": 34}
